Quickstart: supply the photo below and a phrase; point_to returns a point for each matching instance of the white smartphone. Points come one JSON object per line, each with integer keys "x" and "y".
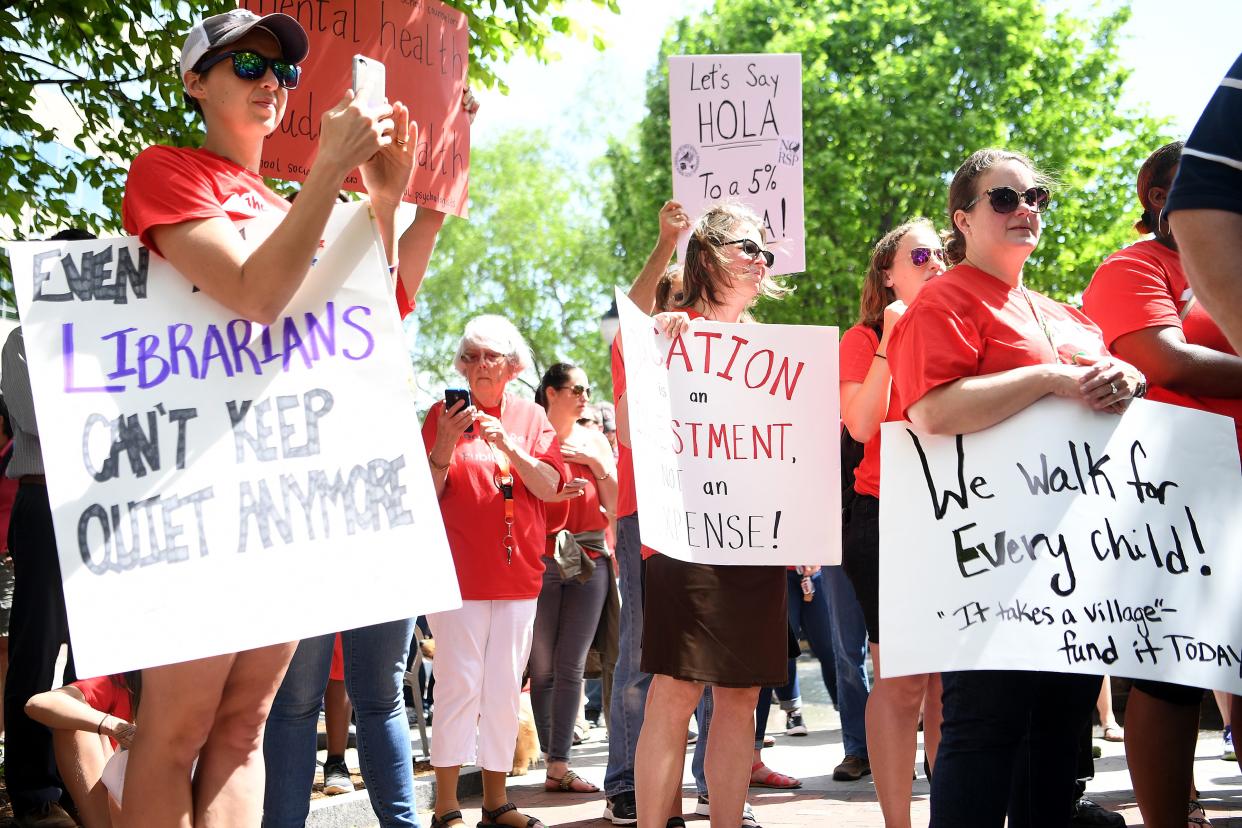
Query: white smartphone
{"x": 370, "y": 81}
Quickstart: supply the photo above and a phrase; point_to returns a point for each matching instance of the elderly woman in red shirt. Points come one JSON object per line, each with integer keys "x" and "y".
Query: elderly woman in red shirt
{"x": 493, "y": 464}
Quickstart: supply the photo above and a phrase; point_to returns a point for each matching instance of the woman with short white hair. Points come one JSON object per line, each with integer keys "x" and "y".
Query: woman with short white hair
{"x": 493, "y": 461}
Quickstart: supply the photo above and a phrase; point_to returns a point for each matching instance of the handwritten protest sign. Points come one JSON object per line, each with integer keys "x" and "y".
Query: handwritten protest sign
{"x": 1068, "y": 541}
{"x": 217, "y": 485}
{"x": 425, "y": 46}
{"x": 736, "y": 124}
{"x": 734, "y": 433}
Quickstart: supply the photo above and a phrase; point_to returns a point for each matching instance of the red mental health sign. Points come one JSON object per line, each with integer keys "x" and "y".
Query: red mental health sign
{"x": 424, "y": 46}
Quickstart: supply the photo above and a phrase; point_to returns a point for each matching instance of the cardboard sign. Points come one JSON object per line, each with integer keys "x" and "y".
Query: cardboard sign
{"x": 424, "y": 45}
{"x": 734, "y": 433}
{"x": 217, "y": 485}
{"x": 736, "y": 123}
{"x": 1067, "y": 541}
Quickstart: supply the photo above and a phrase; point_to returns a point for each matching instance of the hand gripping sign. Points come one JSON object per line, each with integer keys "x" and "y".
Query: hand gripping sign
{"x": 217, "y": 485}
{"x": 736, "y": 124}
{"x": 1068, "y": 541}
{"x": 734, "y": 434}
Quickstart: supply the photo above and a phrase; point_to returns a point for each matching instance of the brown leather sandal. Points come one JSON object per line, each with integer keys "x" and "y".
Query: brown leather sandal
{"x": 491, "y": 819}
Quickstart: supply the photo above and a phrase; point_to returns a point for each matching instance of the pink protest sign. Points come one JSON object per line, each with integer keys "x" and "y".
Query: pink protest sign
{"x": 424, "y": 44}
{"x": 736, "y": 128}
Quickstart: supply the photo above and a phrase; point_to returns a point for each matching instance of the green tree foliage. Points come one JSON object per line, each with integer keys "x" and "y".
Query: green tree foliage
{"x": 896, "y": 94}
{"x": 115, "y": 61}
{"x": 531, "y": 252}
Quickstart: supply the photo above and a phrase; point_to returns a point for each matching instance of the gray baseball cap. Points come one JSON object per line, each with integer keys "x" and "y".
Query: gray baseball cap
{"x": 223, "y": 29}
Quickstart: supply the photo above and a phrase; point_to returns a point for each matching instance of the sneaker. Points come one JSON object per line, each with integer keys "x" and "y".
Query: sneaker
{"x": 1226, "y": 746}
{"x": 851, "y": 769}
{"x": 620, "y": 809}
{"x": 703, "y": 808}
{"x": 1197, "y": 815}
{"x": 1087, "y": 814}
{"x": 336, "y": 777}
{"x": 793, "y": 724}
{"x": 47, "y": 815}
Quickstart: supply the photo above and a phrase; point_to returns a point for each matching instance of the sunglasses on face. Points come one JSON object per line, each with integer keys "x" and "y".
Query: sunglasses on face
{"x": 251, "y": 66}
{"x": 752, "y": 249}
{"x": 1005, "y": 199}
{"x": 577, "y": 390}
{"x": 485, "y": 357}
{"x": 920, "y": 256}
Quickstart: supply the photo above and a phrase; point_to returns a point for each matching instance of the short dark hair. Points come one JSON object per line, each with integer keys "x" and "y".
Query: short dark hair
{"x": 556, "y": 376}
{"x": 73, "y": 234}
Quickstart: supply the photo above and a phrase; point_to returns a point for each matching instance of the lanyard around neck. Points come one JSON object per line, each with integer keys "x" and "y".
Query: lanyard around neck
{"x": 504, "y": 482}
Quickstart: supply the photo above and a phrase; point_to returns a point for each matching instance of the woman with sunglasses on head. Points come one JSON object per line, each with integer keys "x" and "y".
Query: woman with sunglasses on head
{"x": 974, "y": 348}
{"x": 494, "y": 463}
{"x": 901, "y": 263}
{"x": 693, "y": 631}
{"x": 1142, "y": 302}
{"x": 182, "y": 203}
{"x": 575, "y": 576}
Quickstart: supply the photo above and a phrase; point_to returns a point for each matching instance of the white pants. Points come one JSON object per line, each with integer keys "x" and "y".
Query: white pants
{"x": 481, "y": 653}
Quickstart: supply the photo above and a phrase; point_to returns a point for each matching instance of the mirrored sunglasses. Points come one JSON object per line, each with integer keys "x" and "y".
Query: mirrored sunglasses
{"x": 920, "y": 256}
{"x": 251, "y": 66}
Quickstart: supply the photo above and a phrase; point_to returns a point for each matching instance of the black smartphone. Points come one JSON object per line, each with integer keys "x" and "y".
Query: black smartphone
{"x": 451, "y": 398}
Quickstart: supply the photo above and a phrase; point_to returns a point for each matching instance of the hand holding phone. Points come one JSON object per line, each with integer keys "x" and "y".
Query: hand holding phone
{"x": 452, "y": 396}
{"x": 370, "y": 82}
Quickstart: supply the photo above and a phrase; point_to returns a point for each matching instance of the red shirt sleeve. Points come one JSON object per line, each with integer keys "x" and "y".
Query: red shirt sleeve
{"x": 1129, "y": 293}
{"x": 163, "y": 188}
{"x": 105, "y": 695}
{"x": 930, "y": 346}
{"x": 858, "y": 349}
{"x": 429, "y": 426}
{"x": 548, "y": 449}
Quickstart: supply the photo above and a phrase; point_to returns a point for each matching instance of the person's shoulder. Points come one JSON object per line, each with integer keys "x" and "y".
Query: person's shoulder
{"x": 163, "y": 156}
{"x": 860, "y": 333}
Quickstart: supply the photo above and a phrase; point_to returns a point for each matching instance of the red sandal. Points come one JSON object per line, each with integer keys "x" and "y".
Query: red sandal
{"x": 769, "y": 778}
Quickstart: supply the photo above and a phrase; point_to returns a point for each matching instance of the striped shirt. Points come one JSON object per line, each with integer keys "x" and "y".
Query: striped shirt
{"x": 15, "y": 385}
{"x": 1210, "y": 177}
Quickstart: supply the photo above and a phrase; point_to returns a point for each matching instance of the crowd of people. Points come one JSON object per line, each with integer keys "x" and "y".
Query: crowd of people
{"x": 540, "y": 509}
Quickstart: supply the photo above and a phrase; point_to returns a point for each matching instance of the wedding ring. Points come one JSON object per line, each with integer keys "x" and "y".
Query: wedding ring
{"x": 399, "y": 142}
{"x": 1112, "y": 387}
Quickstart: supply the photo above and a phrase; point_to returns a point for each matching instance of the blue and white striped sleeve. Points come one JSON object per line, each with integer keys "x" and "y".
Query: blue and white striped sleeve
{"x": 1210, "y": 177}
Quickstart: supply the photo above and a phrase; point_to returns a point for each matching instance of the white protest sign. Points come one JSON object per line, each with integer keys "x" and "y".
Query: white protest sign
{"x": 1067, "y": 541}
{"x": 734, "y": 434}
{"x": 736, "y": 125}
{"x": 217, "y": 485}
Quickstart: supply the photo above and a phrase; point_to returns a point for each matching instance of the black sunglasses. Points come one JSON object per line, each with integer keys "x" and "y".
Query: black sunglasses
{"x": 920, "y": 256}
{"x": 577, "y": 390}
{"x": 751, "y": 248}
{"x": 1006, "y": 199}
{"x": 251, "y": 66}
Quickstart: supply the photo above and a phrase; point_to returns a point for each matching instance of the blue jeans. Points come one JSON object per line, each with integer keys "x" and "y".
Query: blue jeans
{"x": 1009, "y": 744}
{"x": 814, "y": 620}
{"x": 375, "y": 659}
{"x": 849, "y": 644}
{"x": 594, "y": 689}
{"x": 629, "y": 682}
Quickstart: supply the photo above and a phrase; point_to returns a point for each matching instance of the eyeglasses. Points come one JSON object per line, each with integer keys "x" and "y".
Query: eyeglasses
{"x": 485, "y": 357}
{"x": 752, "y": 249}
{"x": 920, "y": 256}
{"x": 577, "y": 390}
{"x": 251, "y": 66}
{"x": 1005, "y": 199}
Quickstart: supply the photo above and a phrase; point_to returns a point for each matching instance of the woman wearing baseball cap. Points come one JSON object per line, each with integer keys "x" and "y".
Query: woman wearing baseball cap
{"x": 237, "y": 69}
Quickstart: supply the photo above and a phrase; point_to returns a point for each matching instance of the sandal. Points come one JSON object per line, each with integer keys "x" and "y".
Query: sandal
{"x": 1114, "y": 733}
{"x": 769, "y": 778}
{"x": 491, "y": 819}
{"x": 443, "y": 822}
{"x": 566, "y": 784}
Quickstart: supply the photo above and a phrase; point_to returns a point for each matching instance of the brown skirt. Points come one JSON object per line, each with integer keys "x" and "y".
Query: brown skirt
{"x": 723, "y": 625}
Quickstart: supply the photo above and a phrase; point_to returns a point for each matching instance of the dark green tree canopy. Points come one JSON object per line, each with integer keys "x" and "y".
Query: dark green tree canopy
{"x": 897, "y": 93}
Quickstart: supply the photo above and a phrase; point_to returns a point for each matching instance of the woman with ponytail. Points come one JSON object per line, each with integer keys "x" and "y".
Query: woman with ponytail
{"x": 1142, "y": 302}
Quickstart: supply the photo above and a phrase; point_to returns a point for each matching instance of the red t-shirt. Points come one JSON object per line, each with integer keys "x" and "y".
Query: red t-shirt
{"x": 474, "y": 509}
{"x": 581, "y": 514}
{"x": 627, "y": 498}
{"x": 170, "y": 185}
{"x": 858, "y": 349}
{"x": 1144, "y": 286}
{"x": 967, "y": 324}
{"x": 106, "y": 695}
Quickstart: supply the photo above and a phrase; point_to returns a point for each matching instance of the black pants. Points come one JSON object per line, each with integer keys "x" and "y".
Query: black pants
{"x": 37, "y": 628}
